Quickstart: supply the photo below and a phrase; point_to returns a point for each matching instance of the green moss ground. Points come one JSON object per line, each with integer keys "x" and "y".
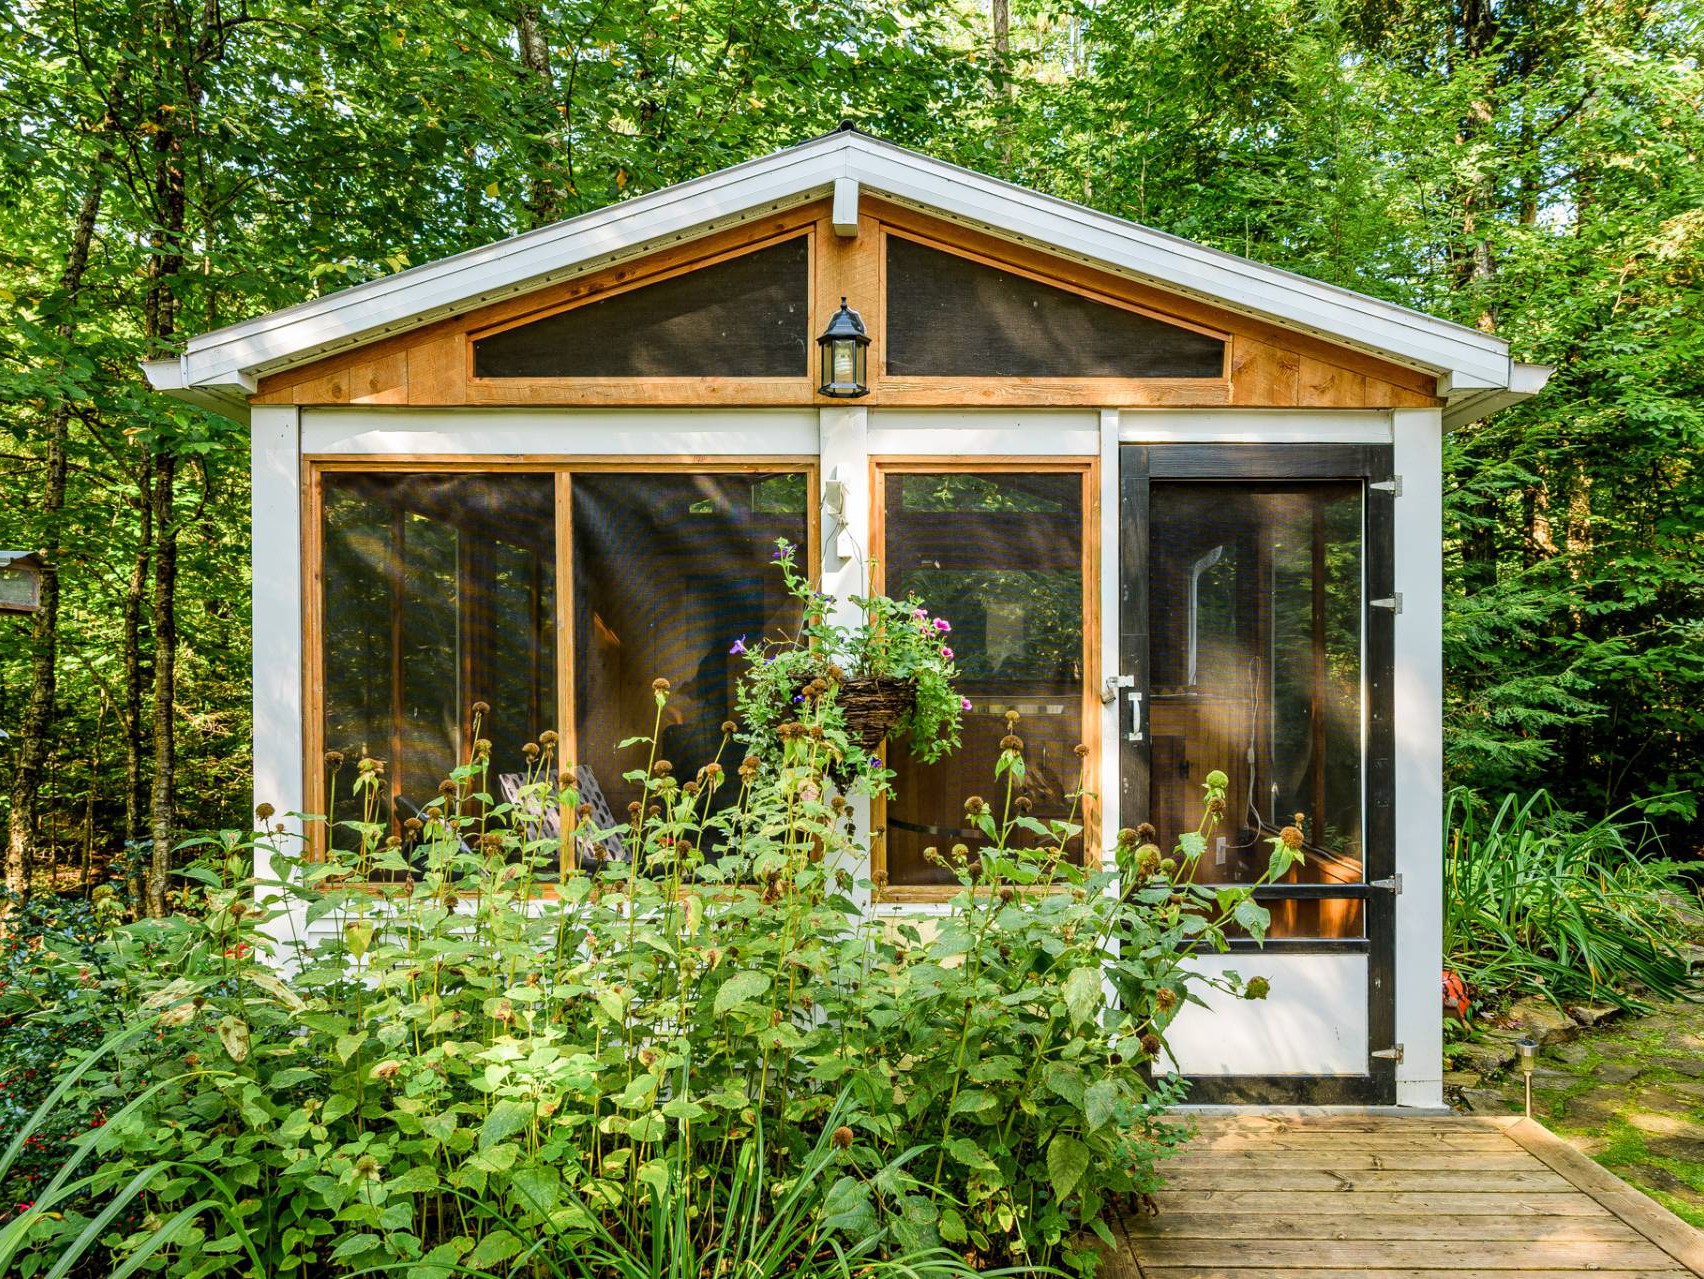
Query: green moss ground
{"x": 1630, "y": 1094}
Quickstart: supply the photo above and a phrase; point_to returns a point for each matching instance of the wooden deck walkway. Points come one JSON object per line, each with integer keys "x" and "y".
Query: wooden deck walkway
{"x": 1376, "y": 1197}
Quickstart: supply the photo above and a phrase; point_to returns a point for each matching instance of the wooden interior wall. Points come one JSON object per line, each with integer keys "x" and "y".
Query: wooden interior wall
{"x": 1268, "y": 366}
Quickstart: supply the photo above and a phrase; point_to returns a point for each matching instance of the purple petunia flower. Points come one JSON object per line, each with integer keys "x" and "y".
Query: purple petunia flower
{"x": 964, "y": 704}
{"x": 739, "y": 648}
{"x": 920, "y": 613}
{"x": 943, "y": 625}
{"x": 946, "y": 652}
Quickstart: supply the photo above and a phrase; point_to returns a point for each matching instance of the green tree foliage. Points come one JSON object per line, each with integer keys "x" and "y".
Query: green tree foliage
{"x": 1527, "y": 165}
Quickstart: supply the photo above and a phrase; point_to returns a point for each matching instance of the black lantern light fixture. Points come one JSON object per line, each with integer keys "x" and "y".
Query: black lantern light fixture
{"x": 845, "y": 355}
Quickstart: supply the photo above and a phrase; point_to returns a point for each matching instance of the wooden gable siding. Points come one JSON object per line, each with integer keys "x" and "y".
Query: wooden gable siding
{"x": 1267, "y": 366}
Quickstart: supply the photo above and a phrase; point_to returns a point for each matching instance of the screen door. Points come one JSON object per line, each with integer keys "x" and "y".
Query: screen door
{"x": 1256, "y": 635}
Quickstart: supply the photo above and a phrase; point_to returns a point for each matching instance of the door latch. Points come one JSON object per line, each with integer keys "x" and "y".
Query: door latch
{"x": 1392, "y": 602}
{"x": 1393, "y": 1053}
{"x": 1391, "y": 885}
{"x": 1111, "y": 684}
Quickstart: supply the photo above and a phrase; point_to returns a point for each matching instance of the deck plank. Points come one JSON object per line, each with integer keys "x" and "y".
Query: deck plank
{"x": 1382, "y": 1197}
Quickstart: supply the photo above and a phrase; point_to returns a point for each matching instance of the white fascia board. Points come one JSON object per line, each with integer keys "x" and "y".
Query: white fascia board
{"x": 1465, "y": 360}
{"x": 1179, "y": 265}
{"x": 1524, "y": 381}
{"x": 516, "y": 265}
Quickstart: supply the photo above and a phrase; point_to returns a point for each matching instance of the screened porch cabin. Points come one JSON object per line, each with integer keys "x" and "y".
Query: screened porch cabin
{"x": 1179, "y": 507}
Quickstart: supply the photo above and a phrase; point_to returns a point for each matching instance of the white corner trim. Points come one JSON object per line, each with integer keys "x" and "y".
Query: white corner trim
{"x": 845, "y": 215}
{"x": 276, "y": 602}
{"x": 565, "y": 433}
{"x": 1418, "y": 688}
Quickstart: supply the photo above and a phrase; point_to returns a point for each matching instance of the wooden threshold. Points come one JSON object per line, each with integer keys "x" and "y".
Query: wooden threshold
{"x": 1379, "y": 1196}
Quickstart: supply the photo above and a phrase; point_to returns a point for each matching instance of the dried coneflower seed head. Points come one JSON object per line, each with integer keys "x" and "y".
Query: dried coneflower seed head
{"x": 1216, "y": 806}
{"x": 1291, "y": 836}
{"x": 1011, "y": 742}
{"x": 662, "y": 768}
{"x": 1023, "y": 803}
{"x": 634, "y": 808}
{"x": 974, "y": 805}
{"x": 1146, "y": 833}
{"x": 548, "y": 738}
{"x": 729, "y": 728}
{"x": 1080, "y": 751}
{"x": 1151, "y": 1044}
{"x": 482, "y": 708}
{"x": 482, "y": 746}
{"x": 1165, "y": 998}
{"x": 659, "y": 685}
{"x": 1012, "y": 717}
{"x": 412, "y": 824}
{"x": 530, "y": 750}
{"x": 1007, "y": 892}
{"x": 334, "y": 759}
{"x": 583, "y": 811}
{"x": 841, "y": 1138}
{"x": 264, "y": 811}
{"x": 447, "y": 787}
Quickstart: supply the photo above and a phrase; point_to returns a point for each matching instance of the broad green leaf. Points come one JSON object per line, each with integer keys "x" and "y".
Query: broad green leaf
{"x": 1067, "y": 1161}
{"x": 738, "y": 989}
{"x": 1083, "y": 994}
{"x": 506, "y": 1119}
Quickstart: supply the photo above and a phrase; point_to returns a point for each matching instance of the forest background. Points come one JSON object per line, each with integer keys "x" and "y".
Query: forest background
{"x": 168, "y": 166}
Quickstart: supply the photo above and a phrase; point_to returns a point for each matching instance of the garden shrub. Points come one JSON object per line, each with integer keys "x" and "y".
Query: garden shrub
{"x": 653, "y": 1057}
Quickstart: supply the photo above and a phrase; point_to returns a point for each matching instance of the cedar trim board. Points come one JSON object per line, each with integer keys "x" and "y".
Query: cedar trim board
{"x": 1265, "y": 366}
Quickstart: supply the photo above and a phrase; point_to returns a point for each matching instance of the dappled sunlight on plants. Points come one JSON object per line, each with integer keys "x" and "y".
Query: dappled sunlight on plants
{"x": 487, "y": 1042}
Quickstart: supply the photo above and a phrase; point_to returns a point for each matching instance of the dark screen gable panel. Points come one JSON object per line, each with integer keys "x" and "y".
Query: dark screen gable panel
{"x": 948, "y": 316}
{"x": 745, "y": 317}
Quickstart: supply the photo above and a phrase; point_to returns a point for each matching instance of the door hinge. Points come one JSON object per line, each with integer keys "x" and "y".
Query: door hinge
{"x": 1392, "y": 602}
{"x": 1393, "y": 884}
{"x": 1393, "y": 1053}
{"x": 1393, "y": 486}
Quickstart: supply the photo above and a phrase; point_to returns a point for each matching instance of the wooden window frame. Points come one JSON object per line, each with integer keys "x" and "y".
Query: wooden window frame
{"x": 1088, "y": 469}
{"x": 640, "y": 390}
{"x": 316, "y": 466}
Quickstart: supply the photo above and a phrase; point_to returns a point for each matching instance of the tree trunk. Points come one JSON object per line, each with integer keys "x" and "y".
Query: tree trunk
{"x": 37, "y": 724}
{"x": 544, "y": 202}
{"x": 135, "y": 594}
{"x": 163, "y": 794}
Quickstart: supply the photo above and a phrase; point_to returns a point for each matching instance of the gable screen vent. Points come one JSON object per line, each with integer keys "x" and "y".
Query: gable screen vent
{"x": 747, "y": 316}
{"x": 949, "y": 316}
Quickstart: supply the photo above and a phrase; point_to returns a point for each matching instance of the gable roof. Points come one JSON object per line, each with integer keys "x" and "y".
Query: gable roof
{"x": 220, "y": 369}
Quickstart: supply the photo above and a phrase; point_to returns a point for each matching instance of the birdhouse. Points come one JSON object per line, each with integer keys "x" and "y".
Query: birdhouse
{"x": 20, "y": 581}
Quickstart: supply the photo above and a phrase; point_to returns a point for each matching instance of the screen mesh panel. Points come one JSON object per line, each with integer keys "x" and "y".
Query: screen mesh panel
{"x": 746, "y": 317}
{"x": 439, "y": 591}
{"x": 670, "y": 571}
{"x": 1000, "y": 557}
{"x": 1255, "y": 650}
{"x": 948, "y": 316}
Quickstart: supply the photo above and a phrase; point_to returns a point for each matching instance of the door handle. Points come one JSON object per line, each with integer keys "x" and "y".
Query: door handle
{"x": 1135, "y": 733}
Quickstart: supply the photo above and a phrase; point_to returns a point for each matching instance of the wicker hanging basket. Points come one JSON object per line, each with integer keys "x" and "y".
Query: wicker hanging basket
{"x": 873, "y": 705}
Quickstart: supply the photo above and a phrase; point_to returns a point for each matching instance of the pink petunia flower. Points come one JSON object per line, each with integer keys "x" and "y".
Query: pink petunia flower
{"x": 946, "y": 652}
{"x": 964, "y": 704}
{"x": 943, "y": 625}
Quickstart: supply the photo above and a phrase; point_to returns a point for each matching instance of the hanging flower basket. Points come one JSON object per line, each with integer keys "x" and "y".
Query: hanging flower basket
{"x": 873, "y": 706}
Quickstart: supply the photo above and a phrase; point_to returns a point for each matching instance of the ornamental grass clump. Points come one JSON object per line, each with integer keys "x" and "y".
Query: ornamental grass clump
{"x": 392, "y": 1051}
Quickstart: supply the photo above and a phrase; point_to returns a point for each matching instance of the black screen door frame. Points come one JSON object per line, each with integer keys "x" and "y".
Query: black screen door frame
{"x": 1139, "y": 466}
